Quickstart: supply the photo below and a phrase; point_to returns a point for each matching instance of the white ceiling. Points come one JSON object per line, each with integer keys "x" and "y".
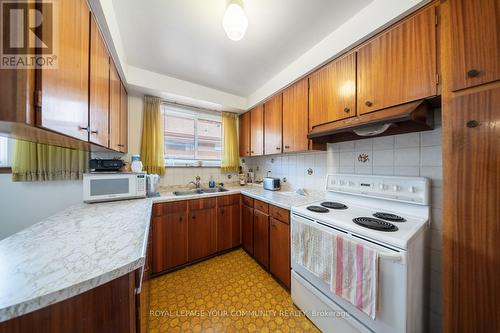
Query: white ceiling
{"x": 184, "y": 39}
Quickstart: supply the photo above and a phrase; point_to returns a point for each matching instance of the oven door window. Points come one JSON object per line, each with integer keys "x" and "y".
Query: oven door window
{"x": 110, "y": 186}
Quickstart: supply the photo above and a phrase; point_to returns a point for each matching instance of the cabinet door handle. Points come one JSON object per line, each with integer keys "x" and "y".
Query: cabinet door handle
{"x": 287, "y": 147}
{"x": 368, "y": 103}
{"x": 347, "y": 110}
{"x": 95, "y": 132}
{"x": 473, "y": 73}
{"x": 81, "y": 128}
{"x": 278, "y": 148}
{"x": 472, "y": 123}
{"x": 193, "y": 217}
{"x": 222, "y": 211}
{"x": 180, "y": 219}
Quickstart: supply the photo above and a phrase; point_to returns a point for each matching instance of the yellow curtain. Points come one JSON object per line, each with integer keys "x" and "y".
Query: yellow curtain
{"x": 40, "y": 162}
{"x": 152, "y": 137}
{"x": 230, "y": 156}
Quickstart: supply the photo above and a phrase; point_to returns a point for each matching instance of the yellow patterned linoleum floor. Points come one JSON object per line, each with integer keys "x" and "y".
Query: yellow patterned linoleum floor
{"x": 228, "y": 293}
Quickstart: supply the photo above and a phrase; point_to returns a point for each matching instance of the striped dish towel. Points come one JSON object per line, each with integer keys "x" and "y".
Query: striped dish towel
{"x": 355, "y": 274}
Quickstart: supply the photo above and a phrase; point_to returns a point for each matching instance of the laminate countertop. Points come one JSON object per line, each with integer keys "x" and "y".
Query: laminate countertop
{"x": 87, "y": 245}
{"x": 283, "y": 199}
{"x": 79, "y": 248}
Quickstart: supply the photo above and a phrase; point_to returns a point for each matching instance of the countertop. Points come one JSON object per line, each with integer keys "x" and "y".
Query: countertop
{"x": 87, "y": 245}
{"x": 80, "y": 248}
{"x": 283, "y": 199}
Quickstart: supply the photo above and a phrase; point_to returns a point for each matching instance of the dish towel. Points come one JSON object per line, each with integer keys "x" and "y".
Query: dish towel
{"x": 355, "y": 274}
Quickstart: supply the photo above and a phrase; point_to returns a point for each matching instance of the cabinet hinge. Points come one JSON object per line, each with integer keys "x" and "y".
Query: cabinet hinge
{"x": 437, "y": 19}
{"x": 38, "y": 99}
{"x": 437, "y": 78}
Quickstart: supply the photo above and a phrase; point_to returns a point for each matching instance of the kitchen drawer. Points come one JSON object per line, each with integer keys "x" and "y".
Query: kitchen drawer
{"x": 163, "y": 208}
{"x": 198, "y": 204}
{"x": 261, "y": 206}
{"x": 227, "y": 200}
{"x": 280, "y": 214}
{"x": 247, "y": 201}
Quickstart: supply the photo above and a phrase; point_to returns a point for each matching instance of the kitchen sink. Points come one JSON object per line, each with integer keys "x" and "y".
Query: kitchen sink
{"x": 200, "y": 191}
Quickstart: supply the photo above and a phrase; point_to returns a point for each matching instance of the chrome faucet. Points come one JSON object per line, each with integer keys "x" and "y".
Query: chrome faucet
{"x": 196, "y": 182}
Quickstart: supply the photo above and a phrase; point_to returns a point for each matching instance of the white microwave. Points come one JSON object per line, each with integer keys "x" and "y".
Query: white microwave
{"x": 110, "y": 186}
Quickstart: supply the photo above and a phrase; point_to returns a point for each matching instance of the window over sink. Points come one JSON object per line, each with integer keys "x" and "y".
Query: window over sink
{"x": 191, "y": 137}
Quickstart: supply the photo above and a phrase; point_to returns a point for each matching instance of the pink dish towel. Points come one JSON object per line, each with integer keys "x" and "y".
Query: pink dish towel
{"x": 355, "y": 274}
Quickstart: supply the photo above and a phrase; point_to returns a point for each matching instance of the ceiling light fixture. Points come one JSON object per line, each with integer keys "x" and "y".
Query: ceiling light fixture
{"x": 235, "y": 21}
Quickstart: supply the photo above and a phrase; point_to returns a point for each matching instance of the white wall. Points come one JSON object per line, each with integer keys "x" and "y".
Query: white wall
{"x": 25, "y": 203}
{"x": 413, "y": 154}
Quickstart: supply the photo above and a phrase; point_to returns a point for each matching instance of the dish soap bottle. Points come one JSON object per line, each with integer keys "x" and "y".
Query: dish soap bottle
{"x": 243, "y": 179}
{"x": 211, "y": 182}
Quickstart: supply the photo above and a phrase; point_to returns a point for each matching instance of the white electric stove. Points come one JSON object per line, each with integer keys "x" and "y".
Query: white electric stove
{"x": 388, "y": 214}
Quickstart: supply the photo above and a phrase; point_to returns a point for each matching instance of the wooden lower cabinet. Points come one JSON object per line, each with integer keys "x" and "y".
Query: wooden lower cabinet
{"x": 261, "y": 237}
{"x": 279, "y": 251}
{"x": 247, "y": 228}
{"x": 202, "y": 238}
{"x": 108, "y": 308}
{"x": 228, "y": 227}
{"x": 170, "y": 232}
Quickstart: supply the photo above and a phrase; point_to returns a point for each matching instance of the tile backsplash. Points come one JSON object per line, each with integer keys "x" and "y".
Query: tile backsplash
{"x": 413, "y": 154}
{"x": 176, "y": 176}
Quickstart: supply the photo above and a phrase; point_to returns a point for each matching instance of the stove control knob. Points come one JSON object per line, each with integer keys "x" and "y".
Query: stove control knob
{"x": 412, "y": 189}
{"x": 382, "y": 187}
{"x": 395, "y": 188}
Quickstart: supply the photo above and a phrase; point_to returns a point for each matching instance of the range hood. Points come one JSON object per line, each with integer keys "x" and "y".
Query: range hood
{"x": 405, "y": 118}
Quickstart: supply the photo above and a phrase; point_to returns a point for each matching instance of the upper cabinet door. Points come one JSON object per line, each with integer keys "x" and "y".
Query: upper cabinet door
{"x": 332, "y": 93}
{"x": 296, "y": 117}
{"x": 475, "y": 42}
{"x": 65, "y": 94}
{"x": 399, "y": 65}
{"x": 123, "y": 120}
{"x": 257, "y": 131}
{"x": 244, "y": 124}
{"x": 114, "y": 108}
{"x": 273, "y": 116}
{"x": 99, "y": 87}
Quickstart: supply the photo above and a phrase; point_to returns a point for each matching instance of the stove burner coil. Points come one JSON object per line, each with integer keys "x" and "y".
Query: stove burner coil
{"x": 317, "y": 209}
{"x": 333, "y": 205}
{"x": 375, "y": 224}
{"x": 389, "y": 217}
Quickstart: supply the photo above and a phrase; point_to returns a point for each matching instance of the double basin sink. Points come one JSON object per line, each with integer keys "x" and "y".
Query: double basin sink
{"x": 200, "y": 191}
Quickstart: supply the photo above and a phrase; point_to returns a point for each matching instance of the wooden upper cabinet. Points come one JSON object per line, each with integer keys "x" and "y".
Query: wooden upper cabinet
{"x": 123, "y": 120}
{"x": 99, "y": 87}
{"x": 399, "y": 65}
{"x": 273, "y": 116}
{"x": 257, "y": 131}
{"x": 114, "y": 108}
{"x": 475, "y": 42}
{"x": 64, "y": 90}
{"x": 244, "y": 124}
{"x": 332, "y": 93}
{"x": 296, "y": 117}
